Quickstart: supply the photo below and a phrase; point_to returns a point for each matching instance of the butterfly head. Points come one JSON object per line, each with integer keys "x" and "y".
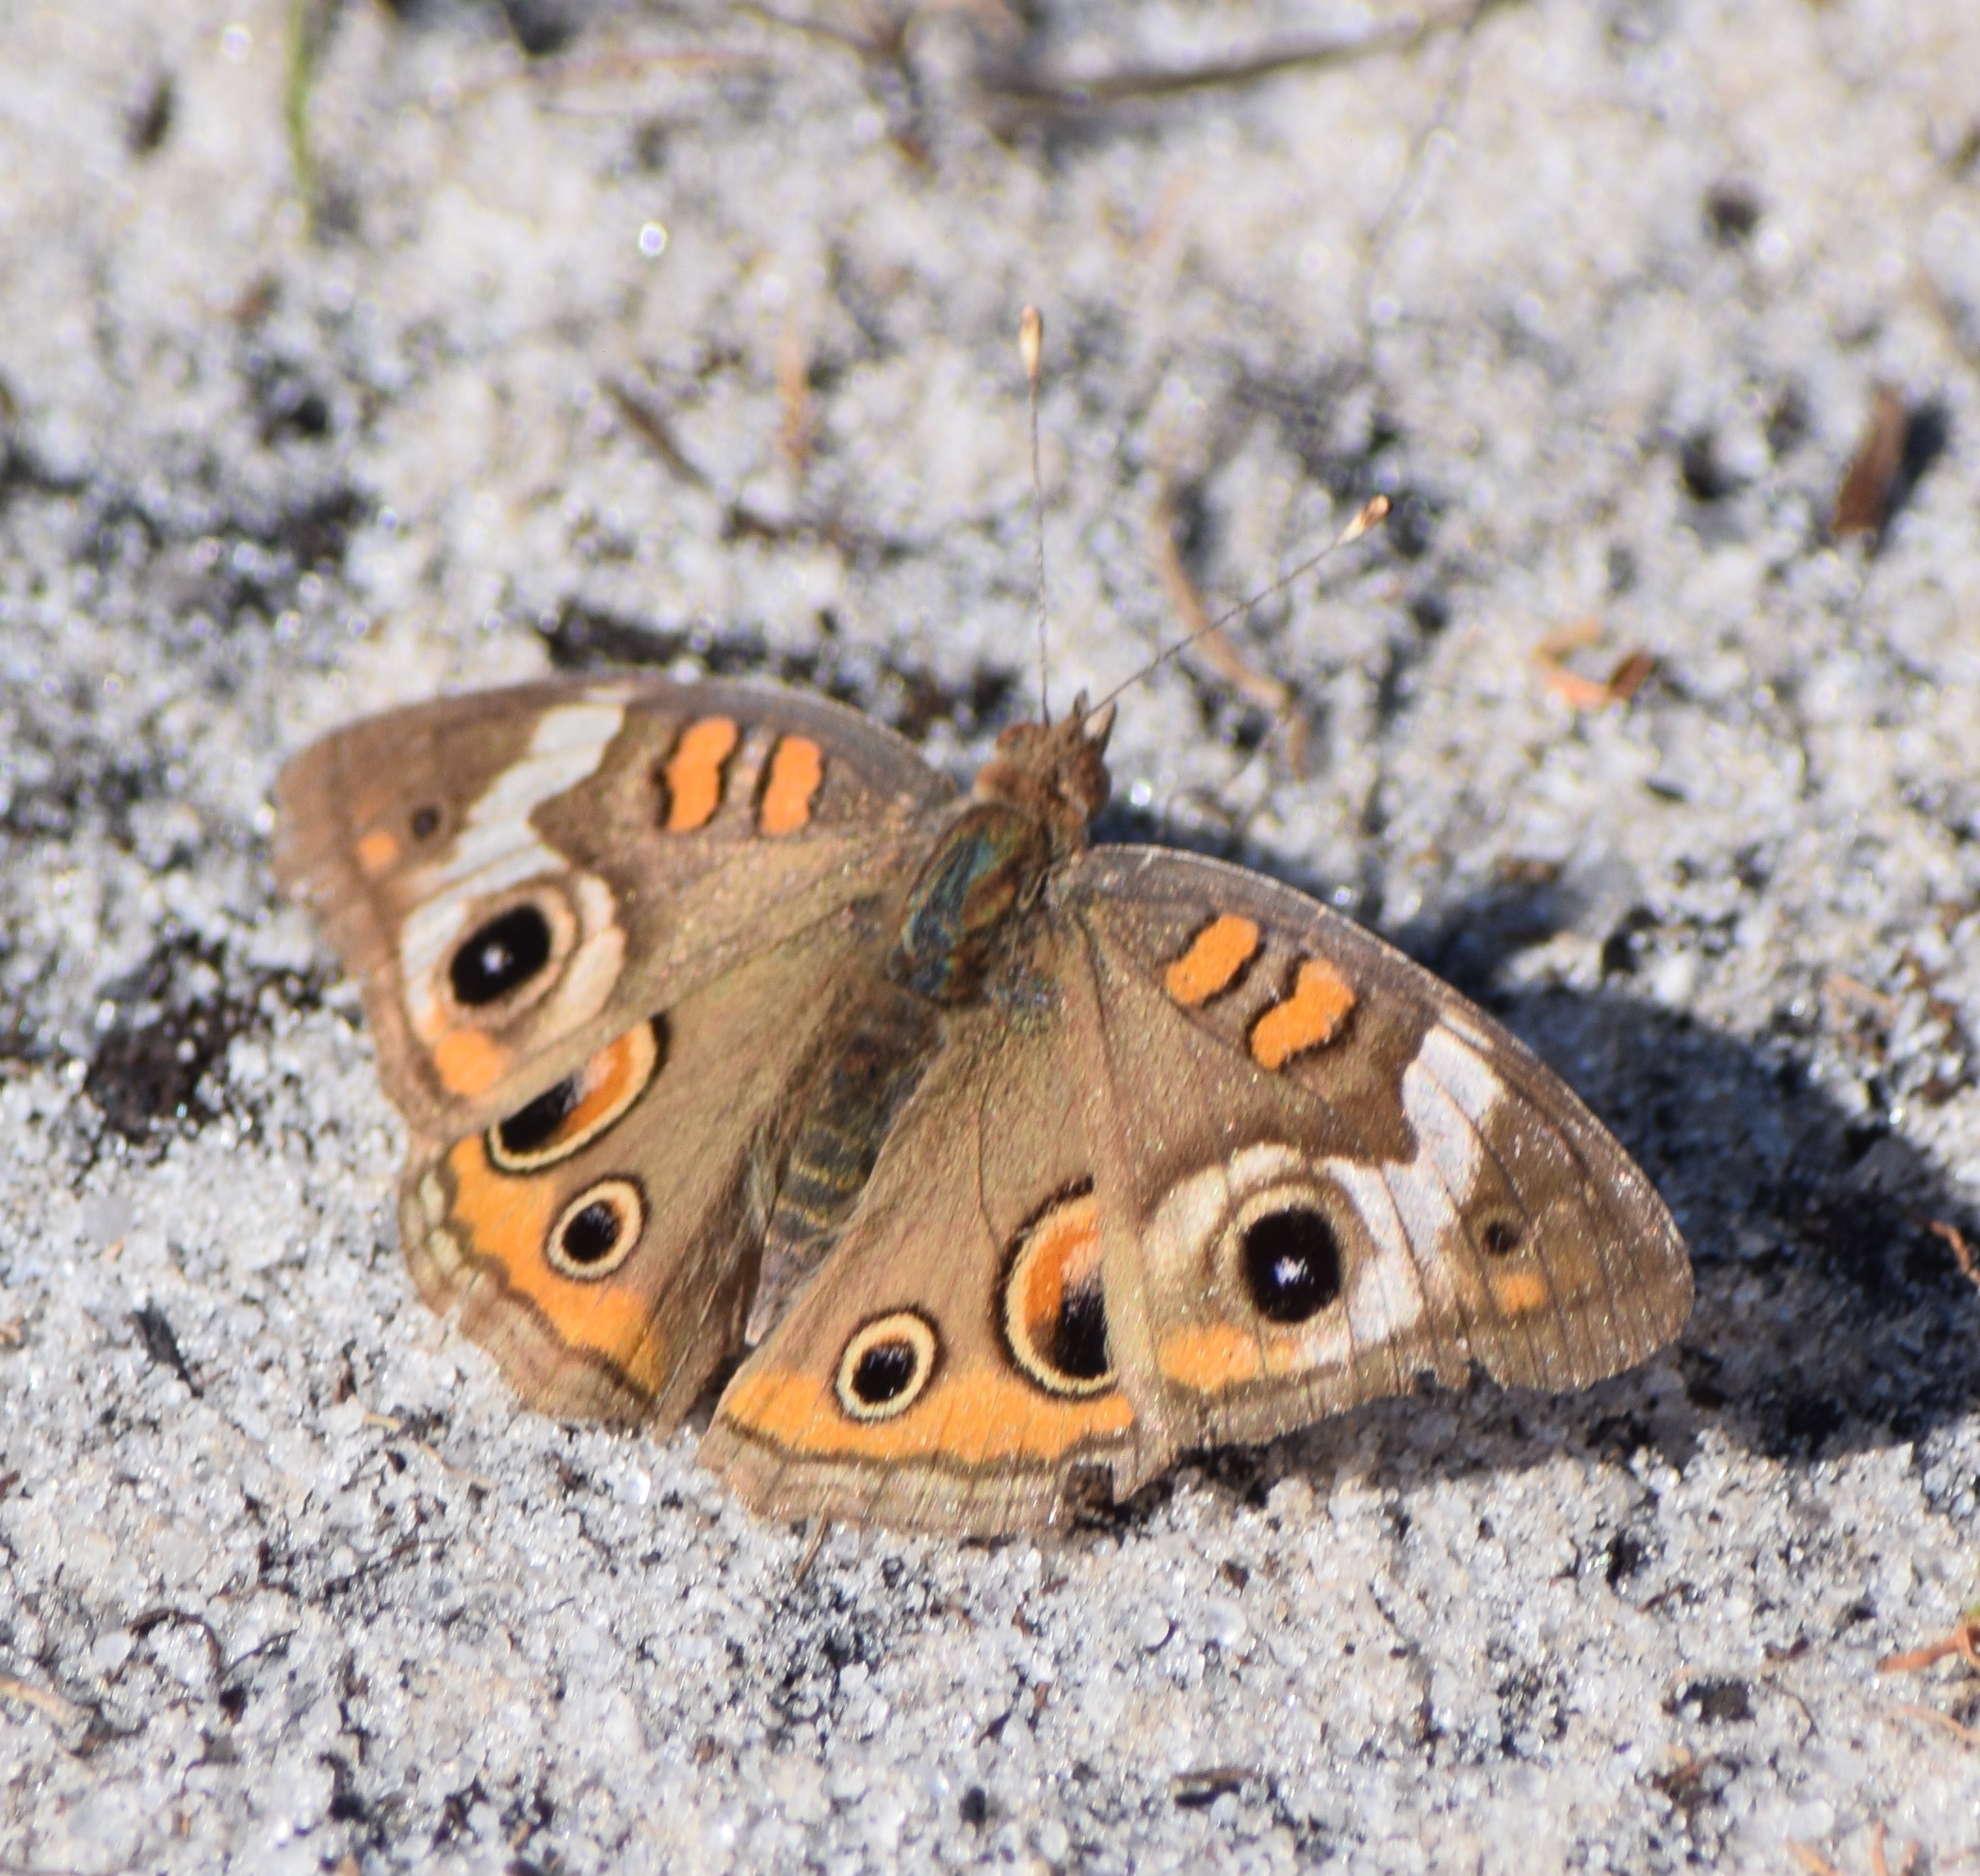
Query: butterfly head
{"x": 1056, "y": 772}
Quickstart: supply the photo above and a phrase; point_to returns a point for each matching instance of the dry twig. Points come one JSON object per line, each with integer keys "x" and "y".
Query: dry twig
{"x": 1964, "y": 1641}
{"x": 1962, "y": 1255}
{"x": 1633, "y": 670}
{"x": 597, "y": 67}
{"x": 1034, "y": 92}
{"x": 62, "y": 1711}
{"x": 640, "y": 408}
{"x": 798, "y": 424}
{"x": 1201, "y": 633}
{"x": 813, "y": 1542}
{"x": 1932, "y": 1716}
{"x": 1863, "y": 502}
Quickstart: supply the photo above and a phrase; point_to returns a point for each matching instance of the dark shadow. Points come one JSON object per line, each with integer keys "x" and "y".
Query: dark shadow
{"x": 906, "y": 697}
{"x": 1928, "y": 432}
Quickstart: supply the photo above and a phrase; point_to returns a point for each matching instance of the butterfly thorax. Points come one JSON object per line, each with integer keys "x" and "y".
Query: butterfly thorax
{"x": 1029, "y": 813}
{"x": 1055, "y": 772}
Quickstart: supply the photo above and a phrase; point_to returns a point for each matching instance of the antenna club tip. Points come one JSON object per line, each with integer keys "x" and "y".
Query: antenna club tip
{"x": 1373, "y": 513}
{"x": 1030, "y": 340}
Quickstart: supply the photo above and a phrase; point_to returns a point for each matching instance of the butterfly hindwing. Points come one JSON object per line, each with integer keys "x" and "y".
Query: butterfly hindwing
{"x": 947, "y": 1367}
{"x": 602, "y": 1240}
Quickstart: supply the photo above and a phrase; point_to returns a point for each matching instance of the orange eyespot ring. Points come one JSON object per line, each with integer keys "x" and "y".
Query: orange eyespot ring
{"x": 886, "y": 1366}
{"x": 583, "y": 1106}
{"x": 1054, "y": 1304}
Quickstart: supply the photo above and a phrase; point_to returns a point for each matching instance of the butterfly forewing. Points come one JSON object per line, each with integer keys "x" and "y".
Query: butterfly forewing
{"x": 1342, "y": 1174}
{"x": 519, "y": 876}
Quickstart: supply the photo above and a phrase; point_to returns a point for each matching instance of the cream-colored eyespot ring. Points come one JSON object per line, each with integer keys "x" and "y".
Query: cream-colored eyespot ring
{"x": 596, "y": 1232}
{"x": 527, "y": 936}
{"x": 886, "y": 1366}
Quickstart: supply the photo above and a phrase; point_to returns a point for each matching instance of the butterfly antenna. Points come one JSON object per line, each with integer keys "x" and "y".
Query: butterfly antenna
{"x": 1030, "y": 346}
{"x": 1372, "y": 513}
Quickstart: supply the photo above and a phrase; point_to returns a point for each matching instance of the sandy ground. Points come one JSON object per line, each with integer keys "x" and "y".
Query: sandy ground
{"x": 687, "y": 340}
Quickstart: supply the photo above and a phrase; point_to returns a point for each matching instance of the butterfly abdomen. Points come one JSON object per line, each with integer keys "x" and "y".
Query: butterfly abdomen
{"x": 844, "y": 1116}
{"x": 983, "y": 872}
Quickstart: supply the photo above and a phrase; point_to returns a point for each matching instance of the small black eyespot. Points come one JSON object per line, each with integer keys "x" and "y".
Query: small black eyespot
{"x": 1291, "y": 1264}
{"x": 885, "y": 1372}
{"x": 1503, "y": 1236}
{"x": 529, "y": 1127}
{"x": 886, "y": 1367}
{"x": 593, "y": 1235}
{"x": 501, "y": 957}
{"x": 1080, "y": 1336}
{"x": 426, "y": 823}
{"x": 598, "y": 1231}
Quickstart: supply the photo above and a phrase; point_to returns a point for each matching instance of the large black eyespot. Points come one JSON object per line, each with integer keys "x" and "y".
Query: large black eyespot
{"x": 1080, "y": 1336}
{"x": 885, "y": 1372}
{"x": 526, "y": 1130}
{"x": 1291, "y": 1262}
{"x": 592, "y": 1235}
{"x": 597, "y": 1230}
{"x": 885, "y": 1367}
{"x": 425, "y": 822}
{"x": 580, "y": 1108}
{"x": 1055, "y": 1298}
{"x": 1503, "y": 1236}
{"x": 501, "y": 957}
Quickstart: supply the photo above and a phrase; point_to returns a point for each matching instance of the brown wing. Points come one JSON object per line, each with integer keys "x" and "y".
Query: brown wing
{"x": 1328, "y": 1173}
{"x": 603, "y": 1239}
{"x": 947, "y": 1367}
{"x": 520, "y": 876}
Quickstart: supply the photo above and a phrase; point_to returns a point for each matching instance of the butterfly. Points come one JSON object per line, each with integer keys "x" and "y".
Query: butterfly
{"x": 984, "y": 1167}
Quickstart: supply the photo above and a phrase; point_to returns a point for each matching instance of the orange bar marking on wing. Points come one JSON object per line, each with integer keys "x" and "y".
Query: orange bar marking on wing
{"x": 1212, "y": 963}
{"x": 975, "y": 1418}
{"x": 1211, "y": 1358}
{"x": 1519, "y": 1292}
{"x": 694, "y": 773}
{"x": 378, "y": 853}
{"x": 1311, "y": 1016}
{"x": 797, "y": 767}
{"x": 469, "y": 1061}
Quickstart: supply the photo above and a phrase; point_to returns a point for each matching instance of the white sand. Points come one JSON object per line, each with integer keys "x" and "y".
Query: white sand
{"x": 338, "y": 1604}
